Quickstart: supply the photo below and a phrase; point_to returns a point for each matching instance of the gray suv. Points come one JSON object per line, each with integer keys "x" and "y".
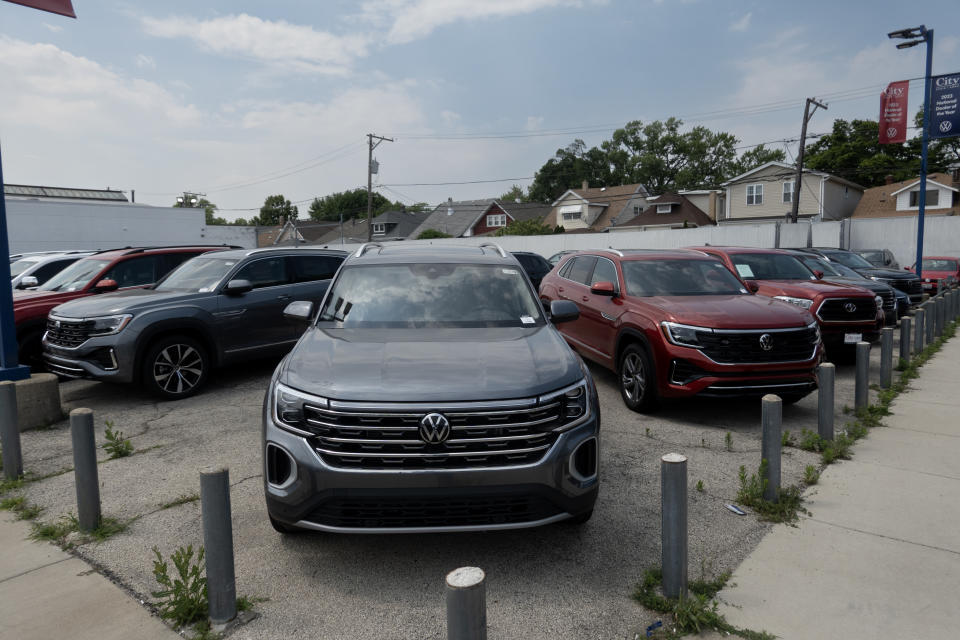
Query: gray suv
{"x": 213, "y": 310}
{"x": 430, "y": 392}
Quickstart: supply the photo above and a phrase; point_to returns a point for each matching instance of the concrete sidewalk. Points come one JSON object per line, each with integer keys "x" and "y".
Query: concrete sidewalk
{"x": 880, "y": 555}
{"x": 47, "y": 593}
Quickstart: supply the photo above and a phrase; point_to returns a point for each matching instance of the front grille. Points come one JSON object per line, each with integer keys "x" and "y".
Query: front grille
{"x": 481, "y": 435}
{"x": 405, "y": 512}
{"x": 910, "y": 286}
{"x": 836, "y": 310}
{"x": 889, "y": 299}
{"x": 68, "y": 333}
{"x": 736, "y": 389}
{"x": 747, "y": 347}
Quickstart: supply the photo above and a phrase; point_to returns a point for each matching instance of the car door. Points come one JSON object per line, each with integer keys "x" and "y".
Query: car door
{"x": 573, "y": 287}
{"x": 600, "y": 313}
{"x": 311, "y": 277}
{"x": 139, "y": 271}
{"x": 252, "y": 323}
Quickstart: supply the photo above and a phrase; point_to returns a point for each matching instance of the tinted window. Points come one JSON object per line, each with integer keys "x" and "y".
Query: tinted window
{"x": 311, "y": 268}
{"x": 605, "y": 272}
{"x": 201, "y": 274}
{"x": 565, "y": 269}
{"x": 935, "y": 264}
{"x": 852, "y": 260}
{"x": 268, "y": 272}
{"x": 581, "y": 269}
{"x": 679, "y": 278}
{"x": 134, "y": 272}
{"x": 51, "y": 269}
{"x": 167, "y": 262}
{"x": 18, "y": 267}
{"x": 769, "y": 266}
{"x": 816, "y": 264}
{"x": 76, "y": 276}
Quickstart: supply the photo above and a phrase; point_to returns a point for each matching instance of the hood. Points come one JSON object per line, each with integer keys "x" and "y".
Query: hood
{"x": 445, "y": 365}
{"x": 36, "y": 304}
{"x": 732, "y": 312}
{"x": 887, "y": 274}
{"x": 130, "y": 301}
{"x": 863, "y": 283}
{"x": 812, "y": 289}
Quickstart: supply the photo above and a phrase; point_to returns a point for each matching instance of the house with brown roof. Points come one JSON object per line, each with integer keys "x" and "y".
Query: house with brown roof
{"x": 465, "y": 218}
{"x": 597, "y": 208}
{"x": 670, "y": 211}
{"x": 902, "y": 199}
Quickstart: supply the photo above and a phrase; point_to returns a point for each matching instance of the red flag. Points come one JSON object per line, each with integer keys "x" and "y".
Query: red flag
{"x": 63, "y": 7}
{"x": 893, "y": 112}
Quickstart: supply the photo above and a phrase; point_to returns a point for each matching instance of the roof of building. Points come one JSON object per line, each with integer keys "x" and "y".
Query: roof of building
{"x": 61, "y": 193}
{"x": 681, "y": 211}
{"x": 404, "y": 222}
{"x": 312, "y": 230}
{"x": 613, "y": 199}
{"x": 786, "y": 169}
{"x": 519, "y": 211}
{"x": 355, "y": 229}
{"x": 466, "y": 213}
{"x": 880, "y": 202}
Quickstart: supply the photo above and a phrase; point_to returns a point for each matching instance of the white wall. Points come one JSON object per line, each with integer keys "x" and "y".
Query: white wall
{"x": 941, "y": 236}
{"x": 245, "y": 237}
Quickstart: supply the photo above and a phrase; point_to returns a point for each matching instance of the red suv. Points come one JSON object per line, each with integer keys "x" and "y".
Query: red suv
{"x": 936, "y": 268}
{"x": 678, "y": 323}
{"x": 846, "y": 314}
{"x": 104, "y": 271}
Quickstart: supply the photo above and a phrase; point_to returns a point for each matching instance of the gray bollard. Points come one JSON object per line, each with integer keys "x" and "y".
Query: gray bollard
{"x": 862, "y": 389}
{"x": 218, "y": 544}
{"x": 919, "y": 331}
{"x": 827, "y": 376}
{"x": 886, "y": 357}
{"x": 466, "y": 596}
{"x": 938, "y": 317}
{"x": 905, "y": 326}
{"x": 930, "y": 319}
{"x": 772, "y": 437}
{"x": 673, "y": 524}
{"x": 10, "y": 431}
{"x": 85, "y": 468}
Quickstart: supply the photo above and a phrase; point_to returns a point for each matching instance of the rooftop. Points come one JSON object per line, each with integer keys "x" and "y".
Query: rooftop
{"x": 62, "y": 193}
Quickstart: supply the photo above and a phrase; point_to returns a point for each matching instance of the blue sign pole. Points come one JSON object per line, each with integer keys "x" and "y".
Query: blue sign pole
{"x": 9, "y": 368}
{"x": 928, "y": 36}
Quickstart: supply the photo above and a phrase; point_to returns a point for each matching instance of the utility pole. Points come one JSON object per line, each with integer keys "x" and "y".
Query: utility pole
{"x": 189, "y": 199}
{"x": 370, "y": 138}
{"x": 807, "y": 114}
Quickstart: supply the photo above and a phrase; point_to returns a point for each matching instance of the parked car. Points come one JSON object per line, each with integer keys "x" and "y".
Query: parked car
{"x": 882, "y": 258}
{"x": 430, "y": 392}
{"x": 16, "y": 256}
{"x": 32, "y": 271}
{"x": 555, "y": 258}
{"x": 909, "y": 283}
{"x": 679, "y": 323}
{"x": 99, "y": 273}
{"x": 535, "y": 265}
{"x": 831, "y": 272}
{"x": 936, "y": 268}
{"x": 846, "y": 314}
{"x": 212, "y": 311}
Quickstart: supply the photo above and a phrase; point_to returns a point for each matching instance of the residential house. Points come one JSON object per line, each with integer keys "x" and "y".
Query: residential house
{"x": 465, "y": 218}
{"x": 597, "y": 208}
{"x": 902, "y": 199}
{"x": 388, "y": 226}
{"x": 766, "y": 194}
{"x": 294, "y": 232}
{"x": 710, "y": 201}
{"x": 669, "y": 210}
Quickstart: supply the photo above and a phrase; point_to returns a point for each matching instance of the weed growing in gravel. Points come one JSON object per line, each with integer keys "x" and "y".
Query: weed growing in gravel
{"x": 19, "y": 506}
{"x": 728, "y": 441}
{"x": 647, "y": 432}
{"x": 52, "y": 531}
{"x": 13, "y": 504}
{"x": 787, "y": 439}
{"x": 182, "y": 597}
{"x": 9, "y": 485}
{"x": 811, "y": 475}
{"x": 789, "y": 499}
{"x": 246, "y": 603}
{"x": 58, "y": 531}
{"x": 179, "y": 500}
{"x": 700, "y": 486}
{"x": 902, "y": 364}
{"x": 116, "y": 445}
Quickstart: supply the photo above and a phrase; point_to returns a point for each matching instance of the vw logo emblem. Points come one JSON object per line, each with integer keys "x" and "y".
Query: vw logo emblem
{"x": 56, "y": 323}
{"x": 849, "y": 307}
{"x": 892, "y": 132}
{"x": 945, "y": 126}
{"x": 434, "y": 428}
{"x": 766, "y": 342}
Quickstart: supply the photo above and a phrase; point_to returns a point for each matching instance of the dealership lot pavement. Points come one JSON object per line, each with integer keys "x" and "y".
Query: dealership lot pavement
{"x": 560, "y": 581}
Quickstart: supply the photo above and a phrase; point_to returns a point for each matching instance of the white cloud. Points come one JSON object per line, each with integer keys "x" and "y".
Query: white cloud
{"x": 53, "y": 27}
{"x": 742, "y": 24}
{"x": 145, "y": 62}
{"x": 280, "y": 43}
{"x": 449, "y": 118}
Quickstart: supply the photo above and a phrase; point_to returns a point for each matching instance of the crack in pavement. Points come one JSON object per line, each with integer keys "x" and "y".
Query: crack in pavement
{"x": 29, "y": 571}
{"x": 880, "y": 535}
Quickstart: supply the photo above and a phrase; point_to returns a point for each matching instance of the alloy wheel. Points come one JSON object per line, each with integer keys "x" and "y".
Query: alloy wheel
{"x": 178, "y": 368}
{"x": 633, "y": 378}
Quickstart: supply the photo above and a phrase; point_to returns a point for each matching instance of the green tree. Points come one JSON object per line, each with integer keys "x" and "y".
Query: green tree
{"x": 430, "y": 234}
{"x": 352, "y": 204}
{"x": 526, "y": 228}
{"x": 275, "y": 210}
{"x": 515, "y": 194}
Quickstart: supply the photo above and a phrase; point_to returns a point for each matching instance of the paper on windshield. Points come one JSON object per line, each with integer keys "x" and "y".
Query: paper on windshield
{"x": 744, "y": 270}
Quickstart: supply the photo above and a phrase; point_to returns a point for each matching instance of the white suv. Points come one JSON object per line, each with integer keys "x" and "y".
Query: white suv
{"x": 33, "y": 270}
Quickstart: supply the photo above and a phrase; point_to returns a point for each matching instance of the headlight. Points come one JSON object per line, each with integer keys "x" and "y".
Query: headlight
{"x": 816, "y": 327}
{"x": 683, "y": 335}
{"x": 574, "y": 404}
{"x": 288, "y": 407}
{"x": 879, "y": 302}
{"x": 803, "y": 303}
{"x": 108, "y": 325}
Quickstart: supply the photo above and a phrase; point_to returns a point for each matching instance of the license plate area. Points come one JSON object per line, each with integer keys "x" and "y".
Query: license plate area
{"x": 852, "y": 338}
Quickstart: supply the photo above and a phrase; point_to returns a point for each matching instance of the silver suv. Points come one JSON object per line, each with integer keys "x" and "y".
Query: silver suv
{"x": 430, "y": 392}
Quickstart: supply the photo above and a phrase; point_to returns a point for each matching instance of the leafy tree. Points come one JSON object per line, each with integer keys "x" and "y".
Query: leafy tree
{"x": 526, "y": 228}
{"x": 515, "y": 194}
{"x": 430, "y": 234}
{"x": 275, "y": 209}
{"x": 753, "y": 158}
{"x": 352, "y": 204}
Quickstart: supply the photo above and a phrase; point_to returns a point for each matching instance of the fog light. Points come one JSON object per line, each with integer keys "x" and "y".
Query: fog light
{"x": 281, "y": 468}
{"x": 583, "y": 461}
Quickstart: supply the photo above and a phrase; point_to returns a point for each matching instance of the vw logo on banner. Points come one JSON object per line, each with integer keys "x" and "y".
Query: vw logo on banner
{"x": 434, "y": 428}
{"x": 945, "y": 106}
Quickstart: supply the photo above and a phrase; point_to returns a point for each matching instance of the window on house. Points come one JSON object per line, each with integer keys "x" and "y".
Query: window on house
{"x": 571, "y": 215}
{"x": 663, "y": 208}
{"x": 754, "y": 194}
{"x": 787, "y": 191}
{"x": 379, "y": 228}
{"x": 497, "y": 220}
{"x": 637, "y": 209}
{"x": 933, "y": 198}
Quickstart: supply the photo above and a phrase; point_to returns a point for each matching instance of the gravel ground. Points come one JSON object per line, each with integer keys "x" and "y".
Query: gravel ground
{"x": 559, "y": 581}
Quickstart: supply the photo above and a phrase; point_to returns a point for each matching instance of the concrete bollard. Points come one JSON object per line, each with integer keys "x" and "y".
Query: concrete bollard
{"x": 930, "y": 319}
{"x": 937, "y": 317}
{"x": 466, "y": 597}
{"x": 886, "y": 357}
{"x": 85, "y": 468}
{"x": 218, "y": 545}
{"x": 919, "y": 331}
{"x": 10, "y": 431}
{"x": 862, "y": 389}
{"x": 905, "y": 327}
{"x": 772, "y": 437}
{"x": 673, "y": 524}
{"x": 826, "y": 381}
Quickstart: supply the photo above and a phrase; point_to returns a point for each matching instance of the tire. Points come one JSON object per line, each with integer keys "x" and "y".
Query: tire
{"x": 30, "y": 350}
{"x": 175, "y": 367}
{"x": 638, "y": 380}
{"x": 285, "y": 529}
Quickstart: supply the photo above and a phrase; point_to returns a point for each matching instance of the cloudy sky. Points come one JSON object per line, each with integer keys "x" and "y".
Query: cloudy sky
{"x": 242, "y": 99}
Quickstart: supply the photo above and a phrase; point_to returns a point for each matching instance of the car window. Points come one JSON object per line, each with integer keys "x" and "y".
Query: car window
{"x": 201, "y": 274}
{"x": 18, "y": 267}
{"x": 527, "y": 262}
{"x": 267, "y": 272}
{"x": 816, "y": 264}
{"x": 679, "y": 278}
{"x": 167, "y": 262}
{"x": 565, "y": 269}
{"x": 581, "y": 269}
{"x": 52, "y": 268}
{"x": 936, "y": 264}
{"x": 312, "y": 268}
{"x": 605, "y": 272}
{"x": 769, "y": 266}
{"x": 76, "y": 276}
{"x": 850, "y": 259}
{"x": 134, "y": 272}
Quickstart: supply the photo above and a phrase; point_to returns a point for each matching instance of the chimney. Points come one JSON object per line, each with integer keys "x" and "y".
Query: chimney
{"x": 888, "y": 179}
{"x": 712, "y": 207}
{"x": 449, "y": 206}
{"x": 585, "y": 185}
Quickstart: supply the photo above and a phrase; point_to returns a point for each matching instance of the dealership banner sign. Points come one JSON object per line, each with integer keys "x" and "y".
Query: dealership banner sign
{"x": 893, "y": 112}
{"x": 944, "y": 112}
{"x": 63, "y": 7}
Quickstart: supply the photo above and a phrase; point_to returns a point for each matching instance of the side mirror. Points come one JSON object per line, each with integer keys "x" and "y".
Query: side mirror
{"x": 563, "y": 311}
{"x": 27, "y": 281}
{"x": 106, "y": 285}
{"x": 237, "y": 287}
{"x": 818, "y": 273}
{"x": 603, "y": 289}
{"x": 753, "y": 286}
{"x": 301, "y": 311}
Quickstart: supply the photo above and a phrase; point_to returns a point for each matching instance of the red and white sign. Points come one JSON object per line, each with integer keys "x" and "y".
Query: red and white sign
{"x": 63, "y": 7}
{"x": 893, "y": 112}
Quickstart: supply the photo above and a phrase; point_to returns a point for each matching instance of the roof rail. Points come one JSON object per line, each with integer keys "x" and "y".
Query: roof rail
{"x": 364, "y": 247}
{"x": 494, "y": 245}
{"x": 616, "y": 251}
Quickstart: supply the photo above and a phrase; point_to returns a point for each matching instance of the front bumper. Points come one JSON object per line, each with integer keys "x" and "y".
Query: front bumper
{"x": 99, "y": 358}
{"x": 313, "y": 494}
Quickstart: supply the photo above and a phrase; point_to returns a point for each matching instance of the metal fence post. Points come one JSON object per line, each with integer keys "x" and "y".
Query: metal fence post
{"x": 886, "y": 357}
{"x": 673, "y": 524}
{"x": 905, "y": 326}
{"x": 218, "y": 545}
{"x": 85, "y": 468}
{"x": 772, "y": 437}
{"x": 862, "y": 389}
{"x": 826, "y": 378}
{"x": 919, "y": 331}
{"x": 10, "y": 431}
{"x": 466, "y": 597}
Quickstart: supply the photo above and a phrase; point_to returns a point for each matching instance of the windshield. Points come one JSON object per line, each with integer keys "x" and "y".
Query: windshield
{"x": 846, "y": 271}
{"x": 431, "y": 295}
{"x": 18, "y": 267}
{"x": 873, "y": 257}
{"x": 937, "y": 264}
{"x": 199, "y": 275}
{"x": 679, "y": 278}
{"x": 851, "y": 260}
{"x": 816, "y": 264}
{"x": 76, "y": 276}
{"x": 769, "y": 266}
